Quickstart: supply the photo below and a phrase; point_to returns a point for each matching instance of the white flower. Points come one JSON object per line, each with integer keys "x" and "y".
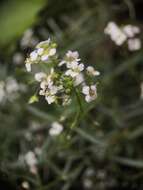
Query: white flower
{"x": 71, "y": 58}
{"x": 40, "y": 51}
{"x": 90, "y": 92}
{"x": 50, "y": 99}
{"x": 11, "y": 85}
{"x": 56, "y": 129}
{"x": 48, "y": 54}
{"x": 91, "y": 71}
{"x": 28, "y": 67}
{"x": 52, "y": 52}
{"x": 119, "y": 39}
{"x": 33, "y": 56}
{"x": 75, "y": 70}
{"x": 79, "y": 79}
{"x": 134, "y": 44}
{"x": 115, "y": 33}
{"x": 30, "y": 159}
{"x": 40, "y": 76}
{"x": 25, "y": 185}
{"x": 49, "y": 90}
{"x": 45, "y": 57}
{"x": 130, "y": 30}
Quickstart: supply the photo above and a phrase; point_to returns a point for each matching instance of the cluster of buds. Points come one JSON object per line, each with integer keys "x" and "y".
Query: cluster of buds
{"x": 127, "y": 33}
{"x": 59, "y": 78}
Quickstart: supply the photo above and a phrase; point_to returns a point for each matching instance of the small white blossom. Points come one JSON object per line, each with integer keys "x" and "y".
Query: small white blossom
{"x": 56, "y": 129}
{"x": 28, "y": 67}
{"x": 49, "y": 91}
{"x": 25, "y": 185}
{"x": 79, "y": 79}
{"x": 31, "y": 161}
{"x": 11, "y": 85}
{"x": 52, "y": 52}
{"x": 40, "y": 51}
{"x": 91, "y": 71}
{"x": 33, "y": 56}
{"x": 30, "y": 158}
{"x": 45, "y": 57}
{"x": 71, "y": 58}
{"x": 40, "y": 76}
{"x": 115, "y": 33}
{"x": 90, "y": 92}
{"x": 131, "y": 31}
{"x": 50, "y": 99}
{"x": 134, "y": 44}
{"x": 75, "y": 70}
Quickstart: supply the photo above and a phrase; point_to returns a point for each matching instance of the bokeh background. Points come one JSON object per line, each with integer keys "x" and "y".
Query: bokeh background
{"x": 105, "y": 151}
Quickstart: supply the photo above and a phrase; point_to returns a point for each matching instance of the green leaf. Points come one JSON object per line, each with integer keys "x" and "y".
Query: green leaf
{"x": 15, "y": 17}
{"x": 129, "y": 162}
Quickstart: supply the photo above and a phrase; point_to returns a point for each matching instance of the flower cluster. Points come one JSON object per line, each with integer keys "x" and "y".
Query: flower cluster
{"x": 120, "y": 35}
{"x": 59, "y": 78}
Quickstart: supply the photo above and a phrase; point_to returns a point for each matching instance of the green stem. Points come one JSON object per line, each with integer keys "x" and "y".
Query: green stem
{"x": 79, "y": 101}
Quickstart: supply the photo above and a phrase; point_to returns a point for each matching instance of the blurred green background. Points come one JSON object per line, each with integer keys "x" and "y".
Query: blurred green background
{"x": 105, "y": 151}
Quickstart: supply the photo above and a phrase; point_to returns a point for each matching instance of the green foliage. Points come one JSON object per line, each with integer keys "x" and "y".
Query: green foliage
{"x": 15, "y": 17}
{"x": 102, "y": 146}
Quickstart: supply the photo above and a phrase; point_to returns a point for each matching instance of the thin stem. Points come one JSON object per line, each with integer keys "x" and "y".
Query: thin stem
{"x": 79, "y": 101}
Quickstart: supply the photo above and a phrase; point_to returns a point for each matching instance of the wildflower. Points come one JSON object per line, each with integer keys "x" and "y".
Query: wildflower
{"x": 134, "y": 44}
{"x": 28, "y": 65}
{"x": 71, "y": 58}
{"x": 56, "y": 129}
{"x": 126, "y": 33}
{"x": 33, "y": 55}
{"x": 75, "y": 70}
{"x": 40, "y": 76}
{"x": 40, "y": 51}
{"x": 115, "y": 33}
{"x": 11, "y": 85}
{"x": 91, "y": 71}
{"x": 130, "y": 30}
{"x": 90, "y": 92}
{"x": 25, "y": 185}
{"x": 49, "y": 92}
{"x": 44, "y": 51}
{"x": 79, "y": 79}
{"x": 31, "y": 161}
{"x": 57, "y": 84}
